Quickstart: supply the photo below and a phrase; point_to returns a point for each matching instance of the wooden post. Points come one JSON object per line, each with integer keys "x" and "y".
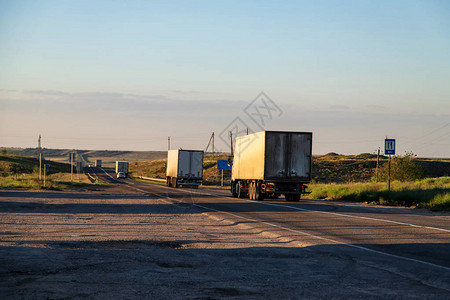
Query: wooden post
{"x": 231, "y": 142}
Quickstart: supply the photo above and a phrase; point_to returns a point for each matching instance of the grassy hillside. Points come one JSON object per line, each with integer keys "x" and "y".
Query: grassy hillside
{"x": 108, "y": 157}
{"x": 13, "y": 164}
{"x": 23, "y": 172}
{"x": 157, "y": 168}
{"x": 329, "y": 168}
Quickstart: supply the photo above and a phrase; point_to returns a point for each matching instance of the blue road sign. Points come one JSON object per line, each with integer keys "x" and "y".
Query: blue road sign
{"x": 389, "y": 146}
{"x": 224, "y": 165}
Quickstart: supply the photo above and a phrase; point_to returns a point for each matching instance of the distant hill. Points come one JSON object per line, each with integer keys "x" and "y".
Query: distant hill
{"x": 108, "y": 157}
{"x": 329, "y": 168}
{"x": 12, "y": 164}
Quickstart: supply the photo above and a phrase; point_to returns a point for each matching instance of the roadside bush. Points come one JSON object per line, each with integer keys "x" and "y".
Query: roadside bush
{"x": 403, "y": 168}
{"x": 439, "y": 202}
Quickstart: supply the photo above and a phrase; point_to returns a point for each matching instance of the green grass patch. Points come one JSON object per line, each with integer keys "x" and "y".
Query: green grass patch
{"x": 157, "y": 169}
{"x": 440, "y": 202}
{"x": 431, "y": 193}
{"x": 57, "y": 181}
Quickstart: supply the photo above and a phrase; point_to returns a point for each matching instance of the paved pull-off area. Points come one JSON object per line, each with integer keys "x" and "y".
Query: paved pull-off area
{"x": 135, "y": 240}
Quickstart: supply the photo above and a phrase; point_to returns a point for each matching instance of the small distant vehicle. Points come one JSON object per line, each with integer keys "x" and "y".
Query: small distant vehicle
{"x": 90, "y": 165}
{"x": 121, "y": 175}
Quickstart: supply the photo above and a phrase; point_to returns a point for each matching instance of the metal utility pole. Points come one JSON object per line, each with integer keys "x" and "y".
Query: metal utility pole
{"x": 231, "y": 142}
{"x": 40, "y": 158}
{"x": 168, "y": 143}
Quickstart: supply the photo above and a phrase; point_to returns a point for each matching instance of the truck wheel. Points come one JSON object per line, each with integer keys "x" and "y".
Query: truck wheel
{"x": 233, "y": 189}
{"x": 257, "y": 195}
{"x": 241, "y": 194}
{"x": 168, "y": 182}
{"x": 174, "y": 183}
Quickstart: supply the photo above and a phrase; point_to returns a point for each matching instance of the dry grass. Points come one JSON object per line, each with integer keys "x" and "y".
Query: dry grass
{"x": 432, "y": 193}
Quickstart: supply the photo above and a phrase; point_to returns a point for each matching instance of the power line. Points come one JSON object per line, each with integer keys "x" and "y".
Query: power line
{"x": 427, "y": 134}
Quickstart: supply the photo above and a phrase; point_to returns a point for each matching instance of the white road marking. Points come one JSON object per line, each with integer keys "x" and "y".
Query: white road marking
{"x": 305, "y": 233}
{"x": 117, "y": 180}
{"x": 336, "y": 214}
{"x": 359, "y": 217}
{"x": 312, "y": 235}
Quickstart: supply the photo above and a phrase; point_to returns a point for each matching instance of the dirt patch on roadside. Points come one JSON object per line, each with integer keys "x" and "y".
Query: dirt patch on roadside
{"x": 103, "y": 244}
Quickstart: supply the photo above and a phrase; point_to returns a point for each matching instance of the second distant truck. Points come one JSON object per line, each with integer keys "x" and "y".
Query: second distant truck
{"x": 184, "y": 168}
{"x": 121, "y": 169}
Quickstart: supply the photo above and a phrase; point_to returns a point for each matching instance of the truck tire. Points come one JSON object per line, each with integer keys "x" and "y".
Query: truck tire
{"x": 258, "y": 196}
{"x": 241, "y": 194}
{"x": 168, "y": 182}
{"x": 174, "y": 183}
{"x": 233, "y": 189}
{"x": 251, "y": 191}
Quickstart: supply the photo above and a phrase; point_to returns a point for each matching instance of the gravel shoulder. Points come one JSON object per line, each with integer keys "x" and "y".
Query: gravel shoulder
{"x": 110, "y": 243}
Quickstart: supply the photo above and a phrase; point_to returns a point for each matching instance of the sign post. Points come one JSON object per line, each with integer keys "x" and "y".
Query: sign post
{"x": 45, "y": 171}
{"x": 224, "y": 165}
{"x": 71, "y": 159}
{"x": 389, "y": 149}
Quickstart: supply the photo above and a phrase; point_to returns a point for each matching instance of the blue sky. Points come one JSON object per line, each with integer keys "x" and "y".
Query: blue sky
{"x": 127, "y": 74}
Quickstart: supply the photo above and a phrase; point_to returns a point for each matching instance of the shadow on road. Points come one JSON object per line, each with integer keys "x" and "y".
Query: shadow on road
{"x": 157, "y": 269}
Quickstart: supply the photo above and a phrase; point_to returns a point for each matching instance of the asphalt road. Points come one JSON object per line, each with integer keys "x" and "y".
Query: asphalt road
{"x": 402, "y": 239}
{"x": 140, "y": 240}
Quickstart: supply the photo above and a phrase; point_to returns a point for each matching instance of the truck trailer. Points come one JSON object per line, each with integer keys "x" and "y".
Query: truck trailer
{"x": 122, "y": 169}
{"x": 268, "y": 164}
{"x": 184, "y": 168}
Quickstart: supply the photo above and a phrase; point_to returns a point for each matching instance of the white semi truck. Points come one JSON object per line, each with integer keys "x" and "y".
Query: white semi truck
{"x": 268, "y": 164}
{"x": 184, "y": 168}
{"x": 121, "y": 169}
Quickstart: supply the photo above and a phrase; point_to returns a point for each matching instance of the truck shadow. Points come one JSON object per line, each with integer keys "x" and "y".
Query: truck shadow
{"x": 135, "y": 203}
{"x": 40, "y": 268}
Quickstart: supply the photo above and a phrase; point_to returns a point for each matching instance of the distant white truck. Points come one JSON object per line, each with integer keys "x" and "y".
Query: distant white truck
{"x": 122, "y": 169}
{"x": 184, "y": 168}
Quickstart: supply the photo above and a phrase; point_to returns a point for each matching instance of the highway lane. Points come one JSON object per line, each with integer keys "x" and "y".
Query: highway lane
{"x": 410, "y": 242}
